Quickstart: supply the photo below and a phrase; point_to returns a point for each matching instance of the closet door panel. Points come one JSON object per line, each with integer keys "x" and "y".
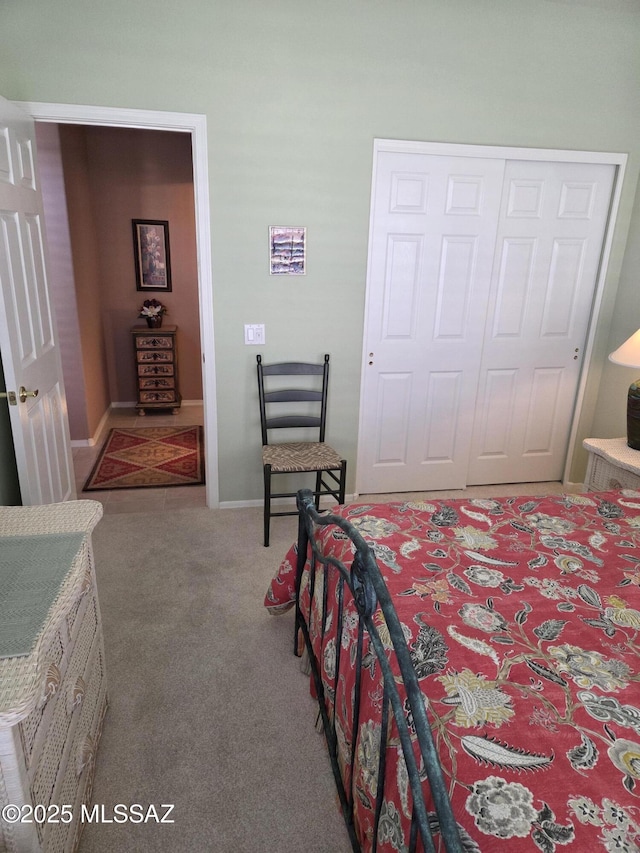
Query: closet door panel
{"x": 432, "y": 242}
{"x": 393, "y": 401}
{"x": 548, "y": 249}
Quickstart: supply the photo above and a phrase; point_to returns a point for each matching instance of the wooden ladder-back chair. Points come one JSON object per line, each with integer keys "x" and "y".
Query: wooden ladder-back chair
{"x": 299, "y": 456}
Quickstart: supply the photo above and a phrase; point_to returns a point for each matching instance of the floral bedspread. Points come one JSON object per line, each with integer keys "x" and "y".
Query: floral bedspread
{"x": 522, "y": 616}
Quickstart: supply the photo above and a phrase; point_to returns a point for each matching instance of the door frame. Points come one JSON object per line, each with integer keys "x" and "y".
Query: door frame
{"x": 617, "y": 160}
{"x": 196, "y": 125}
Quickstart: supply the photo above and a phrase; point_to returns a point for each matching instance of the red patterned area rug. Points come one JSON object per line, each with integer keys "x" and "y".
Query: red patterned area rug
{"x": 151, "y": 456}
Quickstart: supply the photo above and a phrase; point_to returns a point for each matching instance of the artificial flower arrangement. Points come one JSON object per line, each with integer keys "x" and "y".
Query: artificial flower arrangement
{"x": 153, "y": 312}
{"x": 152, "y": 308}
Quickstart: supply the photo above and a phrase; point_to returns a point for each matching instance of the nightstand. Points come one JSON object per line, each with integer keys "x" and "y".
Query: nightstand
{"x": 612, "y": 464}
{"x": 157, "y": 368}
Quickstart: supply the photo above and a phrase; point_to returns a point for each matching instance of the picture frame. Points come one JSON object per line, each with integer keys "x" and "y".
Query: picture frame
{"x": 152, "y": 255}
{"x": 287, "y": 250}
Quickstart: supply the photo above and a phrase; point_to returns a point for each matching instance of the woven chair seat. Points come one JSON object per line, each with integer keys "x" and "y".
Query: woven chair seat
{"x": 300, "y": 456}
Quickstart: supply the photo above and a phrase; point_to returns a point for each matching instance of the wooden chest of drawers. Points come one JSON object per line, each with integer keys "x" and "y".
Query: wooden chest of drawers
{"x": 156, "y": 358}
{"x": 53, "y": 700}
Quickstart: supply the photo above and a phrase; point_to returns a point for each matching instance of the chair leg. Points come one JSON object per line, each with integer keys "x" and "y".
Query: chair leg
{"x": 343, "y": 480}
{"x": 318, "y": 487}
{"x": 267, "y": 503}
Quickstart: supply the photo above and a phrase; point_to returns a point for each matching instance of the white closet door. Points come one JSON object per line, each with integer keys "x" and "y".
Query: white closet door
{"x": 550, "y": 234}
{"x": 431, "y": 252}
{"x": 480, "y": 285}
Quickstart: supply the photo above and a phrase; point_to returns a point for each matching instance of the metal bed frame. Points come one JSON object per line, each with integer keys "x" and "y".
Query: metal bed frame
{"x": 367, "y": 586}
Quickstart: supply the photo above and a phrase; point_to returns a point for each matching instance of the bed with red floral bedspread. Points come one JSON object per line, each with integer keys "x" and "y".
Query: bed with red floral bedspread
{"x": 522, "y": 620}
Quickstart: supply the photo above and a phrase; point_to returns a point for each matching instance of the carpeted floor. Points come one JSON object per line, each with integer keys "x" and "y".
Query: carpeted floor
{"x": 149, "y": 457}
{"x": 208, "y": 708}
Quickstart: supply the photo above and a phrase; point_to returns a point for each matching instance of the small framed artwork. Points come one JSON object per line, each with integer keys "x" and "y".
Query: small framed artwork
{"x": 151, "y": 249}
{"x": 287, "y": 250}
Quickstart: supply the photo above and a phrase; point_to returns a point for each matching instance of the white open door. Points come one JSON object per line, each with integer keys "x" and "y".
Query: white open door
{"x": 28, "y": 336}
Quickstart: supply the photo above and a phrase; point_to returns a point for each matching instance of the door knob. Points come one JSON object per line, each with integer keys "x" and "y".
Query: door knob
{"x": 23, "y": 394}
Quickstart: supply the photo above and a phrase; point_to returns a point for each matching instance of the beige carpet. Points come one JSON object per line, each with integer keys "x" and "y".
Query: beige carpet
{"x": 208, "y": 708}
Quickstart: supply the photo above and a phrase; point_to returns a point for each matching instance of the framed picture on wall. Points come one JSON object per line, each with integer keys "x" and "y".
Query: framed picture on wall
{"x": 151, "y": 249}
{"x": 287, "y": 250}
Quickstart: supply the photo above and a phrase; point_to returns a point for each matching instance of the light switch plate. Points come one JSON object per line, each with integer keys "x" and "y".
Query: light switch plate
{"x": 254, "y": 334}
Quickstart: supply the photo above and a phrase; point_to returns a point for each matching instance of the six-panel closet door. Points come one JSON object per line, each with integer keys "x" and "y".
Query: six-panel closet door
{"x": 550, "y": 233}
{"x": 480, "y": 281}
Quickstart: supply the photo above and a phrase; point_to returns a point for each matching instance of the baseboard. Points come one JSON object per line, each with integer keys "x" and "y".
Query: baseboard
{"x": 570, "y": 488}
{"x": 133, "y": 403}
{"x": 239, "y": 504}
{"x": 97, "y": 436}
{"x": 326, "y": 504}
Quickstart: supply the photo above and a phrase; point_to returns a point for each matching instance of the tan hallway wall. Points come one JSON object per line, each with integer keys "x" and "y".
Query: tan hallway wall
{"x": 140, "y": 174}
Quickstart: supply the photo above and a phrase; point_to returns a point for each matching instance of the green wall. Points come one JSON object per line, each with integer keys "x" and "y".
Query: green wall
{"x": 294, "y": 92}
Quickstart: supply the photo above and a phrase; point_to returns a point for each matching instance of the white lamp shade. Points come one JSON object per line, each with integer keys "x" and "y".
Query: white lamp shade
{"x": 628, "y": 353}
